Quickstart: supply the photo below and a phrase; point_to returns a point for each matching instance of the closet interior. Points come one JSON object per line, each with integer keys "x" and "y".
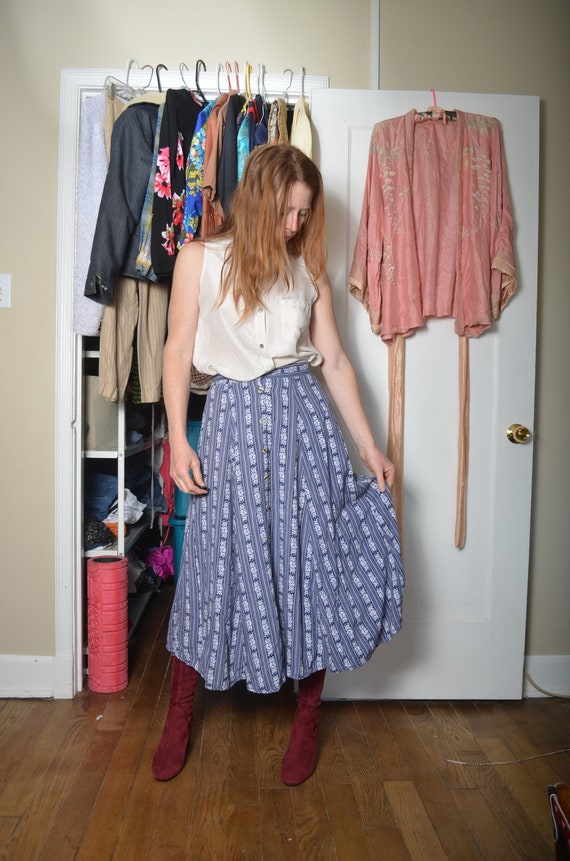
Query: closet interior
{"x": 158, "y": 155}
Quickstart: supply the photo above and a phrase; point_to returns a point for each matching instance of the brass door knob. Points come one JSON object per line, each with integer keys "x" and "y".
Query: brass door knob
{"x": 518, "y": 433}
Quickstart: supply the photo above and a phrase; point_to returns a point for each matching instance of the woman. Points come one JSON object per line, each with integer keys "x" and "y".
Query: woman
{"x": 291, "y": 563}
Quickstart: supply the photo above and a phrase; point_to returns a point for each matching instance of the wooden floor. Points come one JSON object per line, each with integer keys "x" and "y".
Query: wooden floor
{"x": 75, "y": 776}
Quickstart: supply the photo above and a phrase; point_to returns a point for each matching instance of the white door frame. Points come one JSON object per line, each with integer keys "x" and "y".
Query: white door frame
{"x": 68, "y": 660}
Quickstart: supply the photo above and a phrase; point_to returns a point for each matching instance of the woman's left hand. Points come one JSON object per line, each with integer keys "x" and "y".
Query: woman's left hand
{"x": 380, "y": 466}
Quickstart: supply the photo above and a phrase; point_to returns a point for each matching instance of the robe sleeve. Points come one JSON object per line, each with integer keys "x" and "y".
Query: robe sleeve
{"x": 488, "y": 276}
{"x": 503, "y": 273}
{"x": 365, "y": 272}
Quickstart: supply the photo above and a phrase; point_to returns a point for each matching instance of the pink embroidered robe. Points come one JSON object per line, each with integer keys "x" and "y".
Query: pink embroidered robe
{"x": 435, "y": 240}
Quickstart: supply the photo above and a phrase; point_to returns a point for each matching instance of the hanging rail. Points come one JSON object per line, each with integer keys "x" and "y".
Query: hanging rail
{"x": 227, "y": 76}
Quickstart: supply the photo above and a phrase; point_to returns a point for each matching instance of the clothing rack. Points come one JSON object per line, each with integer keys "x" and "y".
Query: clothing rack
{"x": 244, "y": 78}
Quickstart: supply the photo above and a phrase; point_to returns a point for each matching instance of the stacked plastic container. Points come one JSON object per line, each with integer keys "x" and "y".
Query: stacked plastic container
{"x": 107, "y": 623}
{"x": 178, "y": 520}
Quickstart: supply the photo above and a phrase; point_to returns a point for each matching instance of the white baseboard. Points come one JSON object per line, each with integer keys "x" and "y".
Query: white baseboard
{"x": 549, "y": 672}
{"x": 32, "y": 677}
{"x": 47, "y": 677}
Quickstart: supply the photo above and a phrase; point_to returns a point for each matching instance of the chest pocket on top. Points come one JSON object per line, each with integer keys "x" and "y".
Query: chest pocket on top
{"x": 295, "y": 316}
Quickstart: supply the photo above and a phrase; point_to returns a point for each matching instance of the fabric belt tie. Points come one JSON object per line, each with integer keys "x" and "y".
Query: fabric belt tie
{"x": 395, "y": 448}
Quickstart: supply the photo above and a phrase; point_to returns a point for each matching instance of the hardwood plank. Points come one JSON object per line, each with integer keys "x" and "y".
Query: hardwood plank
{"x": 243, "y": 832}
{"x": 58, "y": 764}
{"x": 210, "y": 759}
{"x": 348, "y": 831}
{"x": 331, "y": 763}
{"x": 444, "y": 737}
{"x": 243, "y": 772}
{"x": 216, "y": 735}
{"x": 13, "y": 713}
{"x": 278, "y": 836}
{"x": 429, "y": 782}
{"x": 36, "y": 763}
{"x": 9, "y": 826}
{"x": 104, "y": 830}
{"x": 547, "y": 732}
{"x": 383, "y": 743}
{"x": 145, "y": 793}
{"x": 363, "y": 767}
{"x": 22, "y": 722}
{"x": 543, "y": 723}
{"x": 137, "y": 832}
{"x": 61, "y": 843}
{"x": 532, "y": 798}
{"x": 414, "y": 822}
{"x": 37, "y": 788}
{"x": 207, "y": 833}
{"x": 554, "y": 721}
{"x": 172, "y": 818}
{"x": 507, "y": 723}
{"x": 515, "y": 825}
{"x": 388, "y": 843}
{"x": 101, "y": 836}
{"x": 484, "y": 826}
{"x": 312, "y": 825}
{"x": 74, "y": 812}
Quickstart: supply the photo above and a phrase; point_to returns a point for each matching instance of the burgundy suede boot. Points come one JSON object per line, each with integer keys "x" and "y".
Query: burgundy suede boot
{"x": 170, "y": 754}
{"x": 300, "y": 758}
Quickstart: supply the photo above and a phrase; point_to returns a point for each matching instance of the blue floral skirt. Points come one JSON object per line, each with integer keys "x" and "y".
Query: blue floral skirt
{"x": 291, "y": 563}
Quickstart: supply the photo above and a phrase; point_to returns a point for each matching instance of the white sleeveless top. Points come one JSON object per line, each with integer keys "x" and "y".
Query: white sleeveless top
{"x": 274, "y": 335}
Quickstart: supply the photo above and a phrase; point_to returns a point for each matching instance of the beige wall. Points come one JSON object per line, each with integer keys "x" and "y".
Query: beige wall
{"x": 515, "y": 46}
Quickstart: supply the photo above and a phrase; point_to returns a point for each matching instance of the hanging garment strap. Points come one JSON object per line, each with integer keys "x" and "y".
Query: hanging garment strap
{"x": 463, "y": 443}
{"x": 395, "y": 448}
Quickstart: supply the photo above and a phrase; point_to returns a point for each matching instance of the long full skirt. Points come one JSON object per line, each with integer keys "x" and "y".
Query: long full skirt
{"x": 291, "y": 563}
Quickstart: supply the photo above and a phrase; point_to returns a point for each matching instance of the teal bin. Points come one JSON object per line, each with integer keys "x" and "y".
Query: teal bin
{"x": 181, "y": 499}
{"x": 177, "y": 540}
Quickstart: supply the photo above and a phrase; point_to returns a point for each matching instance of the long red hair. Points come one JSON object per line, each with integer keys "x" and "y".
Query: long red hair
{"x": 258, "y": 254}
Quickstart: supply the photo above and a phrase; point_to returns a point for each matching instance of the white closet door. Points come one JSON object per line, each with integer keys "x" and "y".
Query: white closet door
{"x": 465, "y": 610}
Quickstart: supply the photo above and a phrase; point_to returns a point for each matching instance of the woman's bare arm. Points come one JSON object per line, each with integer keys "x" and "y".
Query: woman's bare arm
{"x": 177, "y": 365}
{"x": 342, "y": 384}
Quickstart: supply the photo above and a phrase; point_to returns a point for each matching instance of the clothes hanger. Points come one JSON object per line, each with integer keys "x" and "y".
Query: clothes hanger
{"x": 184, "y": 68}
{"x": 122, "y": 89}
{"x": 302, "y": 75}
{"x": 228, "y": 73}
{"x": 261, "y": 82}
{"x": 288, "y": 87}
{"x": 199, "y": 101}
{"x": 434, "y": 112}
{"x": 220, "y": 68}
{"x": 248, "y": 93}
{"x": 200, "y": 64}
{"x": 261, "y": 90}
{"x": 157, "y": 70}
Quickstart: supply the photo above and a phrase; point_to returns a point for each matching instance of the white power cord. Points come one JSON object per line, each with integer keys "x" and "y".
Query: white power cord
{"x": 509, "y": 761}
{"x": 543, "y": 690}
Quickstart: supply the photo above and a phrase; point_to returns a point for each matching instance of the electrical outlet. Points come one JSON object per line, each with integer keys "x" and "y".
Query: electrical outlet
{"x": 5, "y": 291}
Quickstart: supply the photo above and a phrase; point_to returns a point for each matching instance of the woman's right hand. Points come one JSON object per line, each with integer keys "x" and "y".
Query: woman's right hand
{"x": 186, "y": 470}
